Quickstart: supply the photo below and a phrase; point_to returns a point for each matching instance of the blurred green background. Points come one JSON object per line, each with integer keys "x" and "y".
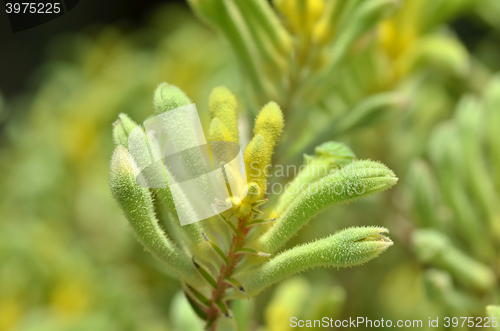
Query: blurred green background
{"x": 67, "y": 258}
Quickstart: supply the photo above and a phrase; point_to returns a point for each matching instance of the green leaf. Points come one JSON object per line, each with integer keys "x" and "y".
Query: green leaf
{"x": 262, "y": 15}
{"x": 349, "y": 247}
{"x": 205, "y": 274}
{"x": 370, "y": 110}
{"x": 356, "y": 180}
{"x": 273, "y": 59}
{"x": 216, "y": 248}
{"x": 227, "y": 221}
{"x": 260, "y": 221}
{"x": 366, "y": 15}
{"x": 223, "y": 308}
{"x": 250, "y": 250}
{"x": 196, "y": 308}
{"x": 200, "y": 297}
{"x": 257, "y": 211}
{"x": 226, "y": 17}
{"x": 236, "y": 284}
{"x": 260, "y": 203}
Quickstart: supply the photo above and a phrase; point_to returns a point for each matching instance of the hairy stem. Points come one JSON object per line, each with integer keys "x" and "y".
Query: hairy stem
{"x": 226, "y": 271}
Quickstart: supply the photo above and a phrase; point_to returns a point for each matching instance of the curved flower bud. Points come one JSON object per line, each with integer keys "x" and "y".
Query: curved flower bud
{"x": 168, "y": 97}
{"x": 346, "y": 248}
{"x": 137, "y": 205}
{"x": 356, "y": 180}
{"x": 122, "y": 128}
{"x": 222, "y": 104}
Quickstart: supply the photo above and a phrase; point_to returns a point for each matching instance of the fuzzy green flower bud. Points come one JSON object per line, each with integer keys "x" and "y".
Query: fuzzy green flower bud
{"x": 356, "y": 180}
{"x": 346, "y": 248}
{"x": 122, "y": 128}
{"x": 270, "y": 123}
{"x": 253, "y": 191}
{"x": 168, "y": 97}
{"x": 268, "y": 127}
{"x": 255, "y": 163}
{"x": 218, "y": 131}
{"x": 223, "y": 105}
{"x": 182, "y": 132}
{"x": 137, "y": 205}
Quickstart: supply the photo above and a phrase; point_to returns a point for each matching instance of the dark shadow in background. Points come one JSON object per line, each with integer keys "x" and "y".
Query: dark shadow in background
{"x": 22, "y": 52}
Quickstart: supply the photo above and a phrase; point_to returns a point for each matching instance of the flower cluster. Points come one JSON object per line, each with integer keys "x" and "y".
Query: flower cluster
{"x": 235, "y": 256}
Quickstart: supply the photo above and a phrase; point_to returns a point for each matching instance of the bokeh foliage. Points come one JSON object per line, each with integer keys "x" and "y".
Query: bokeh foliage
{"x": 69, "y": 261}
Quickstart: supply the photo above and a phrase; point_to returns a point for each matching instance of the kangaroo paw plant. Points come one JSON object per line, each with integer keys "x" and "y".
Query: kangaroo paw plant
{"x": 458, "y": 218}
{"x": 239, "y": 254}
